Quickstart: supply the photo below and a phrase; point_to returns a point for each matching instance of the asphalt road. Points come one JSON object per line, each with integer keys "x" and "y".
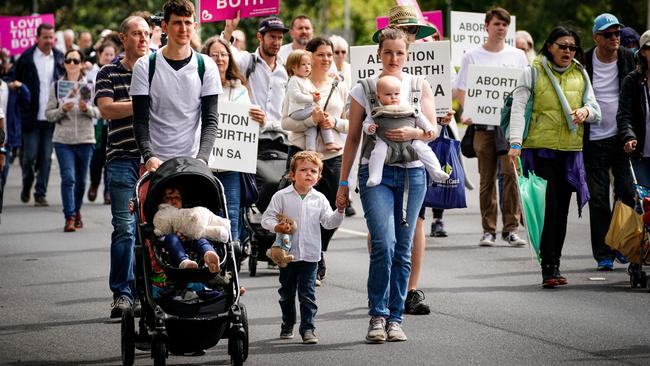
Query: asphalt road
{"x": 488, "y": 307}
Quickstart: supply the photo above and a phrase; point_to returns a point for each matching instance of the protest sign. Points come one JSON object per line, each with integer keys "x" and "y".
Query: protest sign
{"x": 487, "y": 87}
{"x": 19, "y": 33}
{"x": 468, "y": 32}
{"x": 74, "y": 91}
{"x": 434, "y": 17}
{"x": 430, "y": 59}
{"x": 236, "y": 145}
{"x": 216, "y": 10}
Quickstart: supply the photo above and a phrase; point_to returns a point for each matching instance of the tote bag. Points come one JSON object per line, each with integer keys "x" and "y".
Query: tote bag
{"x": 451, "y": 192}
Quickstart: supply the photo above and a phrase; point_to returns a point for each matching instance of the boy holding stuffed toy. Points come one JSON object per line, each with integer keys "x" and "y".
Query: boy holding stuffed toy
{"x": 309, "y": 209}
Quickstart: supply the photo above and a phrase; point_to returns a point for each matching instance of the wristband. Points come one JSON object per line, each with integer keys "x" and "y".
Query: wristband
{"x": 515, "y": 146}
{"x": 343, "y": 183}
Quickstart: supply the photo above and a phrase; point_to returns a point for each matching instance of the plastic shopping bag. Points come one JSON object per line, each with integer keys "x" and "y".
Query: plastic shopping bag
{"x": 532, "y": 193}
{"x": 451, "y": 192}
{"x": 625, "y": 231}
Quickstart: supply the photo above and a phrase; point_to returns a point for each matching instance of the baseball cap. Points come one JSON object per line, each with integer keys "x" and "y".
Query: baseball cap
{"x": 272, "y": 23}
{"x": 645, "y": 39}
{"x": 604, "y": 21}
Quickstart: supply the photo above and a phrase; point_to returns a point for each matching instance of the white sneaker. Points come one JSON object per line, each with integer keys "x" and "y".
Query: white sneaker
{"x": 513, "y": 239}
{"x": 395, "y": 332}
{"x": 376, "y": 330}
{"x": 488, "y": 240}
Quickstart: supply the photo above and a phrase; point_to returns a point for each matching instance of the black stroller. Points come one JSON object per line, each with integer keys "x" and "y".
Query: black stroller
{"x": 168, "y": 323}
{"x": 271, "y": 165}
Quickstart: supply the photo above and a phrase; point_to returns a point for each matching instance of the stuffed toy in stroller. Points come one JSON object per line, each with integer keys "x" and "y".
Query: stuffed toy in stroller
{"x": 194, "y": 223}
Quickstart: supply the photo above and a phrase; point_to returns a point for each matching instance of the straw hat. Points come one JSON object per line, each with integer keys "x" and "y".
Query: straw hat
{"x": 405, "y": 16}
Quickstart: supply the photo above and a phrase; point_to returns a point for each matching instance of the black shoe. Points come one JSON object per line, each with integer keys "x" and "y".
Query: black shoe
{"x": 24, "y": 195}
{"x": 40, "y": 202}
{"x": 438, "y": 229}
{"x": 119, "y": 305}
{"x": 414, "y": 303}
{"x": 349, "y": 210}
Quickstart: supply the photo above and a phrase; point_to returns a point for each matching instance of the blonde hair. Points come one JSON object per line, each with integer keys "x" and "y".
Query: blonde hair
{"x": 392, "y": 33}
{"x": 294, "y": 59}
{"x": 309, "y": 156}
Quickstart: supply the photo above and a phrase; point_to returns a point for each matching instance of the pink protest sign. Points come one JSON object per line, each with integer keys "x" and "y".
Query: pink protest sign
{"x": 19, "y": 33}
{"x": 216, "y": 10}
{"x": 434, "y": 17}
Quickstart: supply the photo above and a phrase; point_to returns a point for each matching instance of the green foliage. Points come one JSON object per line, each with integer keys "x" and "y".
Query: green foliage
{"x": 536, "y": 16}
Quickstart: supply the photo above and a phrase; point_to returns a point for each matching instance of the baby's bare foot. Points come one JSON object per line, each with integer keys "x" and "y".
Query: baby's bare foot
{"x": 211, "y": 260}
{"x": 188, "y": 264}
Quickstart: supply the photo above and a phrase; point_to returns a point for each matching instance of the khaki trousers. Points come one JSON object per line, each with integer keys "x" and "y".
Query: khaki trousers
{"x": 484, "y": 146}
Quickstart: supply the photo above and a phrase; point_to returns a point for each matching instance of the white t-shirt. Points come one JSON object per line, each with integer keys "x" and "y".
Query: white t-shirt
{"x": 358, "y": 94}
{"x": 175, "y": 109}
{"x": 285, "y": 50}
{"x": 605, "y": 83}
{"x": 509, "y": 58}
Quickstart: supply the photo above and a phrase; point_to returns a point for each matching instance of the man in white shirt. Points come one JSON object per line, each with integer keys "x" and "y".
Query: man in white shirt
{"x": 301, "y": 33}
{"x": 607, "y": 63}
{"x": 267, "y": 77}
{"x": 495, "y": 52}
{"x": 38, "y": 67}
{"x": 175, "y": 109}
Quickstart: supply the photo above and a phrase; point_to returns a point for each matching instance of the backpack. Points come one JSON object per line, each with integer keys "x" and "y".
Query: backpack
{"x": 396, "y": 150}
{"x": 152, "y": 66}
{"x": 528, "y": 111}
{"x": 251, "y": 66}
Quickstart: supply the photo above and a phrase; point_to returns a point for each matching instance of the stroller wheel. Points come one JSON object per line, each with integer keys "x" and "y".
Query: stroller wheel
{"x": 236, "y": 347}
{"x": 252, "y": 266}
{"x": 159, "y": 351}
{"x": 128, "y": 338}
{"x": 244, "y": 323}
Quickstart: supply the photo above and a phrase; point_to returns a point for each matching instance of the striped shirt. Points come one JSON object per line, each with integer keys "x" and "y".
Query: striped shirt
{"x": 114, "y": 81}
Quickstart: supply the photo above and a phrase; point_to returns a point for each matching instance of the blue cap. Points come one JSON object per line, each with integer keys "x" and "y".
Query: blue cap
{"x": 629, "y": 35}
{"x": 604, "y": 21}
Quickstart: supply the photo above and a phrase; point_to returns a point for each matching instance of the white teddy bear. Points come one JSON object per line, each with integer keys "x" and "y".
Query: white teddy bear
{"x": 194, "y": 223}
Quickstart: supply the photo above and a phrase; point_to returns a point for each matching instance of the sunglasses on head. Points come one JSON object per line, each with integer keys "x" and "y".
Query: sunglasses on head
{"x": 609, "y": 35}
{"x": 76, "y": 61}
{"x": 340, "y": 52}
{"x": 565, "y": 47}
{"x": 411, "y": 29}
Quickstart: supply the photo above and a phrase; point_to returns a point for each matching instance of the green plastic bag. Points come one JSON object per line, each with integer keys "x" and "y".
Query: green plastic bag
{"x": 532, "y": 195}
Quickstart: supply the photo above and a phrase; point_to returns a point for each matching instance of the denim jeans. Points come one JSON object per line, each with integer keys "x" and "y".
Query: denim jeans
{"x": 391, "y": 241}
{"x": 37, "y": 157}
{"x": 177, "y": 250}
{"x": 122, "y": 176}
{"x": 232, "y": 191}
{"x": 300, "y": 276}
{"x": 74, "y": 161}
{"x": 601, "y": 156}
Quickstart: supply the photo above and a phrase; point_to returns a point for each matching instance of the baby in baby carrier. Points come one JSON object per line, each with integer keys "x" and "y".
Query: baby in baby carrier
{"x": 390, "y": 115}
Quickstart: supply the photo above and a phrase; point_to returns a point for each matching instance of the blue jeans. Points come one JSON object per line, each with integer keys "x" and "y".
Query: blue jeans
{"x": 232, "y": 191}
{"x": 177, "y": 250}
{"x": 390, "y": 251}
{"x": 122, "y": 175}
{"x": 37, "y": 157}
{"x": 74, "y": 161}
{"x": 300, "y": 276}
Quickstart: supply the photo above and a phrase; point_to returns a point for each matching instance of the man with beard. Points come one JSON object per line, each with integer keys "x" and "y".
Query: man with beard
{"x": 301, "y": 33}
{"x": 267, "y": 77}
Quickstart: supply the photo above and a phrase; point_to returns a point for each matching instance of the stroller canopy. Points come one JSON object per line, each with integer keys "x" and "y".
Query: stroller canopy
{"x": 197, "y": 184}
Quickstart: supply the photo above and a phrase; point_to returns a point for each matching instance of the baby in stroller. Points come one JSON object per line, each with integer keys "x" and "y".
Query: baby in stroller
{"x": 174, "y": 241}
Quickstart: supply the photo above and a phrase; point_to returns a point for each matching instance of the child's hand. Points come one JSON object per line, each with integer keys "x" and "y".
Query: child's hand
{"x": 372, "y": 128}
{"x": 316, "y": 96}
{"x": 283, "y": 228}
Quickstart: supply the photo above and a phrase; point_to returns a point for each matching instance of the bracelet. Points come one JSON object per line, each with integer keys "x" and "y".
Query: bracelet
{"x": 343, "y": 183}
{"x": 515, "y": 146}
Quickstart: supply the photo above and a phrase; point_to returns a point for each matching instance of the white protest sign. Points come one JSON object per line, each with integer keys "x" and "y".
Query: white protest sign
{"x": 486, "y": 88}
{"x": 430, "y": 59}
{"x": 468, "y": 32}
{"x": 236, "y": 145}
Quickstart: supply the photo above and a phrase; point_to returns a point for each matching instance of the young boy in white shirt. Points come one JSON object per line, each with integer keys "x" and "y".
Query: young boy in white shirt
{"x": 310, "y": 209}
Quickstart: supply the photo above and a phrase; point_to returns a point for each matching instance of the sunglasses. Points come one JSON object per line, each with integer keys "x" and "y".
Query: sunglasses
{"x": 565, "y": 47}
{"x": 76, "y": 61}
{"x": 609, "y": 35}
{"x": 340, "y": 52}
{"x": 412, "y": 29}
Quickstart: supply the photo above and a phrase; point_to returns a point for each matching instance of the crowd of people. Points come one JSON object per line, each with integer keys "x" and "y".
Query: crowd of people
{"x": 153, "y": 102}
